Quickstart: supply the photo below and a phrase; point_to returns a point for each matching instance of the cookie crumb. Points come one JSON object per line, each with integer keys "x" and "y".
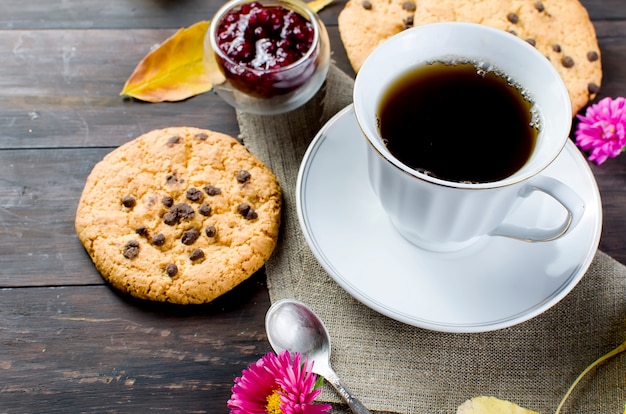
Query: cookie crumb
{"x": 131, "y": 249}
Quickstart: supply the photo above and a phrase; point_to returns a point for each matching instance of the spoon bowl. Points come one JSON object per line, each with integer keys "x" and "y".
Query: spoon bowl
{"x": 291, "y": 325}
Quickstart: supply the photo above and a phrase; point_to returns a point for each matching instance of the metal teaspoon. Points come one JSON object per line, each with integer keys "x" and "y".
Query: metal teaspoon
{"x": 292, "y": 326}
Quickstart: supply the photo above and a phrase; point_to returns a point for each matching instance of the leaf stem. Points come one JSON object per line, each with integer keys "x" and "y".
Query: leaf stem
{"x": 620, "y": 348}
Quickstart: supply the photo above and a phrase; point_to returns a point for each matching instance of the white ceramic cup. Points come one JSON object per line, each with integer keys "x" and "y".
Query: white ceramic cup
{"x": 441, "y": 215}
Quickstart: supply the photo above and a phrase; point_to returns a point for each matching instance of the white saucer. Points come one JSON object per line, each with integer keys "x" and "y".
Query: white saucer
{"x": 495, "y": 283}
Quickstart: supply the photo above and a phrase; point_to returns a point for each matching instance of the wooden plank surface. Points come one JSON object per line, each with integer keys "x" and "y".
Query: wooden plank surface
{"x": 68, "y": 342}
{"x": 60, "y": 88}
{"x": 88, "y": 349}
{"x": 151, "y": 14}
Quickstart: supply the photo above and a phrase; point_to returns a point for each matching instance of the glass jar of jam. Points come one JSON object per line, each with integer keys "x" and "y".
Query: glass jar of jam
{"x": 272, "y": 56}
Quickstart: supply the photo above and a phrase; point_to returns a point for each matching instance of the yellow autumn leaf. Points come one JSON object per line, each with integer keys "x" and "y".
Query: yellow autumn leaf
{"x": 174, "y": 71}
{"x": 491, "y": 405}
{"x": 318, "y": 5}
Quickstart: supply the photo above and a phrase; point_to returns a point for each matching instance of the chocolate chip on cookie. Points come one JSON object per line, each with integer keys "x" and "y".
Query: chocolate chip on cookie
{"x": 190, "y": 236}
{"x": 173, "y": 141}
{"x": 172, "y": 178}
{"x": 193, "y": 194}
{"x": 196, "y": 255}
{"x": 247, "y": 212}
{"x": 210, "y": 231}
{"x": 167, "y": 201}
{"x": 212, "y": 190}
{"x": 593, "y": 88}
{"x": 131, "y": 249}
{"x": 243, "y": 176}
{"x": 129, "y": 201}
{"x": 408, "y": 6}
{"x": 407, "y": 22}
{"x": 183, "y": 211}
{"x": 205, "y": 209}
{"x": 171, "y": 270}
{"x": 159, "y": 239}
{"x": 567, "y": 61}
{"x": 142, "y": 231}
{"x": 170, "y": 218}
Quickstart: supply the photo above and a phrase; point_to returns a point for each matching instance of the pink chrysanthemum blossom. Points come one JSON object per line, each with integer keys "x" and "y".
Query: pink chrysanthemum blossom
{"x": 276, "y": 384}
{"x": 602, "y": 131}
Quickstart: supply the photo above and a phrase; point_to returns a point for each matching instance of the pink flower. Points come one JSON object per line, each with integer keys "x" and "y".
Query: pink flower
{"x": 276, "y": 384}
{"x": 602, "y": 130}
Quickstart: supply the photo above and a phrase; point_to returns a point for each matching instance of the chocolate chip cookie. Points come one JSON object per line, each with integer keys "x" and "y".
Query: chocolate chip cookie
{"x": 179, "y": 215}
{"x": 560, "y": 29}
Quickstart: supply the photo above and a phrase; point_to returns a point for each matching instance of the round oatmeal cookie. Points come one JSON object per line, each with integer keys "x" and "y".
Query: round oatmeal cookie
{"x": 179, "y": 215}
{"x": 560, "y": 29}
{"x": 364, "y": 24}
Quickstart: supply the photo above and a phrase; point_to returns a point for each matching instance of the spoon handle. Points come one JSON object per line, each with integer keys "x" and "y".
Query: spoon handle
{"x": 355, "y": 405}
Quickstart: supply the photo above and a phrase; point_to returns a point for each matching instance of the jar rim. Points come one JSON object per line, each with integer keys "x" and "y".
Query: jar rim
{"x": 296, "y": 6}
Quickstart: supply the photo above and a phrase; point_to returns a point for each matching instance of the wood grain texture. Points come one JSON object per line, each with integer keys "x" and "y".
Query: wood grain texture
{"x": 88, "y": 349}
{"x": 68, "y": 342}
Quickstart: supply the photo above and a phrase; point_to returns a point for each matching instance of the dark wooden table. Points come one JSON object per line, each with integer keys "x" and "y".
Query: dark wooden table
{"x": 68, "y": 342}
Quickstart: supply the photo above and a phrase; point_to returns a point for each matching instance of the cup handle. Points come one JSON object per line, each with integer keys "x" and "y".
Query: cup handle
{"x": 571, "y": 201}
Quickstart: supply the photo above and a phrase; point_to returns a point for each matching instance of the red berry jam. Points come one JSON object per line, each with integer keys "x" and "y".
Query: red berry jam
{"x": 258, "y": 41}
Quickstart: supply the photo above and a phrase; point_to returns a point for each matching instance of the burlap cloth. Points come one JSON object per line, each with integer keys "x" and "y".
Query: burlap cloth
{"x": 393, "y": 367}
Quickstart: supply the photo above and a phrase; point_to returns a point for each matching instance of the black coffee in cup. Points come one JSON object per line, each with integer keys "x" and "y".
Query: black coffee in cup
{"x": 458, "y": 121}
